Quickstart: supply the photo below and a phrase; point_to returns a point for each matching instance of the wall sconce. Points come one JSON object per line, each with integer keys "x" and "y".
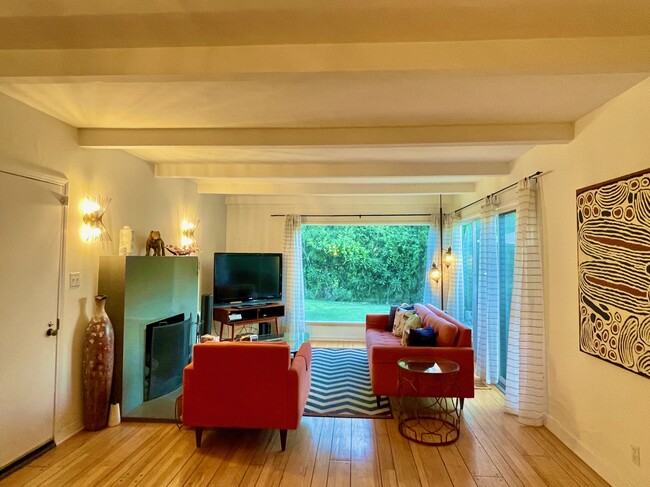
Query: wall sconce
{"x": 188, "y": 240}
{"x": 448, "y": 258}
{"x": 434, "y": 273}
{"x": 92, "y": 211}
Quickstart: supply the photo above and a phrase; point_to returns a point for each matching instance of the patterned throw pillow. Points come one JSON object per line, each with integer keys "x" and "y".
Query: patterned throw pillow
{"x": 412, "y": 323}
{"x": 401, "y": 315}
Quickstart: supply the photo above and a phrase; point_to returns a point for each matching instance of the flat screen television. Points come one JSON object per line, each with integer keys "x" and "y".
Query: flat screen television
{"x": 241, "y": 277}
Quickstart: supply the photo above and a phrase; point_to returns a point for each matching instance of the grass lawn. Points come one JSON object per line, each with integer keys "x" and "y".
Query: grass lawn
{"x": 341, "y": 311}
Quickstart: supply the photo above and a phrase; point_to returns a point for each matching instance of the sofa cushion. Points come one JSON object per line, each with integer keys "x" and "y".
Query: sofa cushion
{"x": 422, "y": 337}
{"x": 464, "y": 336}
{"x": 413, "y": 322}
{"x": 446, "y": 333}
{"x": 378, "y": 337}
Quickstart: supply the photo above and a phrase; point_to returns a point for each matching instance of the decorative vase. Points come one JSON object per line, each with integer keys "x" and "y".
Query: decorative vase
{"x": 97, "y": 367}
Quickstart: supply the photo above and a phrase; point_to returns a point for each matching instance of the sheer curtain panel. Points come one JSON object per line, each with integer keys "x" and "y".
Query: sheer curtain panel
{"x": 456, "y": 292}
{"x": 526, "y": 394}
{"x": 486, "y": 329}
{"x": 432, "y": 289}
{"x": 292, "y": 276}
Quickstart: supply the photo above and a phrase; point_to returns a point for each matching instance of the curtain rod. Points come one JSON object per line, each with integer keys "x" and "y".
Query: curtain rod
{"x": 532, "y": 176}
{"x": 361, "y": 215}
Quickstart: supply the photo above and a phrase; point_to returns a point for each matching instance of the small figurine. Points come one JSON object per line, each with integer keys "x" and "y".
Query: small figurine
{"x": 156, "y": 243}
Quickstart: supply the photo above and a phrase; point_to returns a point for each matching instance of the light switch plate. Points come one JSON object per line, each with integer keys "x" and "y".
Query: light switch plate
{"x": 75, "y": 279}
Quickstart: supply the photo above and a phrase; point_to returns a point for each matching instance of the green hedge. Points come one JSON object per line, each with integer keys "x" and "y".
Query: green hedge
{"x": 371, "y": 263}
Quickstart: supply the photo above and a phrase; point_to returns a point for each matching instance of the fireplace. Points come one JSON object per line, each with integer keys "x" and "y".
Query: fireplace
{"x": 168, "y": 349}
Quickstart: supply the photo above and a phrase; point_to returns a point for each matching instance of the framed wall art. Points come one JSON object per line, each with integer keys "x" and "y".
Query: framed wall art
{"x": 614, "y": 271}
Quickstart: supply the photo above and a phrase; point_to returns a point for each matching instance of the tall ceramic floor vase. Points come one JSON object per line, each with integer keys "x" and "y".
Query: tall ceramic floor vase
{"x": 97, "y": 367}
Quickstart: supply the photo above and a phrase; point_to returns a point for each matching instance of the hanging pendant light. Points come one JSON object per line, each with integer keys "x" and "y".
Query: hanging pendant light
{"x": 448, "y": 257}
{"x": 434, "y": 273}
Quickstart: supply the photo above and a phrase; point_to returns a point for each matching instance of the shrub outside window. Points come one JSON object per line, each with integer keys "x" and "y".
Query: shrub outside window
{"x": 353, "y": 270}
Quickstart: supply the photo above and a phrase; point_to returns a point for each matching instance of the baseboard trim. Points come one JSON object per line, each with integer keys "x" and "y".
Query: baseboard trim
{"x": 67, "y": 432}
{"x": 336, "y": 331}
{"x": 25, "y": 459}
{"x": 597, "y": 464}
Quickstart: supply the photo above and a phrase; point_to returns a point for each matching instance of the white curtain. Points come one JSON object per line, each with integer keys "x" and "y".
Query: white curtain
{"x": 486, "y": 328}
{"x": 292, "y": 276}
{"x": 526, "y": 379}
{"x": 432, "y": 290}
{"x": 456, "y": 291}
{"x": 446, "y": 279}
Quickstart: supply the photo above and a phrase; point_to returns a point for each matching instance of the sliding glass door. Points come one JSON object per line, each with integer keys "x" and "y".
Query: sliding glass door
{"x": 507, "y": 234}
{"x": 471, "y": 242}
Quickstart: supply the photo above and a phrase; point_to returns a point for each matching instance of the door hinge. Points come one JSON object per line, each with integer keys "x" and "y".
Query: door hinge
{"x": 65, "y": 200}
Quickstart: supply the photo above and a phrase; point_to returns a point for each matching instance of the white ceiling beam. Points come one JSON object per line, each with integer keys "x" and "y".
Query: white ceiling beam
{"x": 332, "y": 170}
{"x": 285, "y": 189}
{"x": 516, "y": 134}
{"x": 481, "y": 57}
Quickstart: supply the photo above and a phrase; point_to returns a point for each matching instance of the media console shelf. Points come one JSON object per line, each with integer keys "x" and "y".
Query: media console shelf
{"x": 247, "y": 314}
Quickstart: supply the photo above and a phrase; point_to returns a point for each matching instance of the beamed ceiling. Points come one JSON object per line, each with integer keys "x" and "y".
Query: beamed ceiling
{"x": 326, "y": 96}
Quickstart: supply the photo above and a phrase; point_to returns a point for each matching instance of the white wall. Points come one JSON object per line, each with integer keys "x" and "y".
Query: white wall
{"x": 251, "y": 228}
{"x": 138, "y": 200}
{"x": 598, "y": 409}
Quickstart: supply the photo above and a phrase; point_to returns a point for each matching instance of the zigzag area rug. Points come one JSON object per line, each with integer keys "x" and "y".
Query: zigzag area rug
{"x": 340, "y": 385}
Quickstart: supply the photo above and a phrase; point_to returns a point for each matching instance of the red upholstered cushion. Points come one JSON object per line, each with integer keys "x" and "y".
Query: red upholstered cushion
{"x": 446, "y": 331}
{"x": 377, "y": 337}
{"x": 464, "y": 337}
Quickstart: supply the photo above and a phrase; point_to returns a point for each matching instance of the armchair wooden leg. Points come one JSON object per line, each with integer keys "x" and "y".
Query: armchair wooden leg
{"x": 378, "y": 401}
{"x": 198, "y": 432}
{"x": 283, "y": 439}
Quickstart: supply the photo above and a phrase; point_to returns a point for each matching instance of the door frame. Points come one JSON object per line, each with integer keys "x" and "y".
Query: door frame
{"x": 45, "y": 175}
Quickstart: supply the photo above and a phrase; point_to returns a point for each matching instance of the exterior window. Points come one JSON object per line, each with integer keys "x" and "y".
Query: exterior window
{"x": 353, "y": 270}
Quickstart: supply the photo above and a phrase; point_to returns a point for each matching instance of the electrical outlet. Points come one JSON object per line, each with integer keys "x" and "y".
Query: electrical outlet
{"x": 636, "y": 455}
{"x": 75, "y": 279}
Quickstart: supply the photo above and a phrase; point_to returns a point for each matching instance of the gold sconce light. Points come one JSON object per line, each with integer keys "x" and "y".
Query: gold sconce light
{"x": 92, "y": 211}
{"x": 188, "y": 240}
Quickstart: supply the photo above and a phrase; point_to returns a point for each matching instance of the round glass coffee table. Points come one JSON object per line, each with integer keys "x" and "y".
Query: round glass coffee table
{"x": 429, "y": 407}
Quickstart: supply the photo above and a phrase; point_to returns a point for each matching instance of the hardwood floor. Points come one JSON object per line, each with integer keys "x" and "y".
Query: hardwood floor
{"x": 493, "y": 450}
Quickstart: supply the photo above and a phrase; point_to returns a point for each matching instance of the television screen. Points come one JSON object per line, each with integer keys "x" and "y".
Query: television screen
{"x": 247, "y": 277}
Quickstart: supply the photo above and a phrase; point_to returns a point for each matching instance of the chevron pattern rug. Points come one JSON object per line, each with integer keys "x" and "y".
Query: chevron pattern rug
{"x": 340, "y": 385}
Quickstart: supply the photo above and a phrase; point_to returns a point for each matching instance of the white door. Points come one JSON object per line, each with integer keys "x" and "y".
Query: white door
{"x": 31, "y": 216}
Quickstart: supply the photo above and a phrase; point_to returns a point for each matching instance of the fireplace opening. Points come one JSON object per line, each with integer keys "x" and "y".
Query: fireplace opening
{"x": 168, "y": 350}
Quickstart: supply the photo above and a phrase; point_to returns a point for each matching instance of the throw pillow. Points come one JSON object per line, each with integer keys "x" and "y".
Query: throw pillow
{"x": 401, "y": 315}
{"x": 412, "y": 323}
{"x": 422, "y": 337}
{"x": 391, "y": 315}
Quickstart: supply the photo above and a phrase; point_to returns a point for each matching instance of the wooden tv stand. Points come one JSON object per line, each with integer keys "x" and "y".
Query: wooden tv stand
{"x": 247, "y": 314}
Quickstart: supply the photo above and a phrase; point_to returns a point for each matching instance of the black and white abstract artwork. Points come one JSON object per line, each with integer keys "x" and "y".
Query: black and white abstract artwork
{"x": 614, "y": 271}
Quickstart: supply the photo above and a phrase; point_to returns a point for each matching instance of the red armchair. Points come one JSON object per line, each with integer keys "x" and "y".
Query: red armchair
{"x": 246, "y": 385}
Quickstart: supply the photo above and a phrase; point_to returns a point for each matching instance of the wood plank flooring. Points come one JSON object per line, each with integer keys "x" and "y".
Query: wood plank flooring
{"x": 494, "y": 450}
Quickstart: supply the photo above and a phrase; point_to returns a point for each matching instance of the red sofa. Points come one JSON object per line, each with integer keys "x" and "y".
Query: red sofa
{"x": 246, "y": 385}
{"x": 384, "y": 349}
